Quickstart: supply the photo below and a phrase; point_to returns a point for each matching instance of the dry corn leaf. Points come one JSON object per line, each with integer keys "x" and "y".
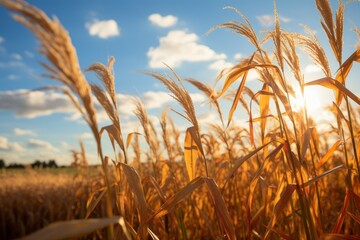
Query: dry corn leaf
{"x": 264, "y": 108}
{"x": 338, "y": 112}
{"x": 90, "y": 206}
{"x": 135, "y": 185}
{"x": 339, "y": 237}
{"x": 129, "y": 138}
{"x": 191, "y": 151}
{"x": 114, "y": 135}
{"x": 334, "y": 85}
{"x": 318, "y": 177}
{"x": 268, "y": 159}
{"x": 71, "y": 229}
{"x": 344, "y": 71}
{"x": 178, "y": 197}
{"x": 251, "y": 121}
{"x": 237, "y": 97}
{"x": 280, "y": 206}
{"x": 240, "y": 161}
{"x": 152, "y": 234}
{"x": 355, "y": 217}
{"x": 340, "y": 219}
{"x": 305, "y": 142}
{"x": 328, "y": 154}
{"x": 221, "y": 208}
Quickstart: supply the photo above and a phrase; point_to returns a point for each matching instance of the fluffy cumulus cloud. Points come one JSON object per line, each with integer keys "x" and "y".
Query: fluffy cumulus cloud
{"x": 156, "y": 99}
{"x": 16, "y": 147}
{"x": 86, "y": 135}
{"x": 269, "y": 20}
{"x": 220, "y": 65}
{"x": 40, "y": 145}
{"x": 238, "y": 56}
{"x": 31, "y": 104}
{"x": 21, "y": 132}
{"x": 16, "y": 56}
{"x": 180, "y": 46}
{"x": 103, "y": 29}
{"x": 4, "y": 143}
{"x": 162, "y": 21}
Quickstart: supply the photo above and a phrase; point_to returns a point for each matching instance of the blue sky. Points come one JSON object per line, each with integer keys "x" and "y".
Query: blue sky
{"x": 140, "y": 34}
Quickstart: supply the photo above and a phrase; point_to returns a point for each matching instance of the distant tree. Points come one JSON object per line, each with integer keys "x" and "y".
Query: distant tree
{"x": 36, "y": 164}
{"x": 2, "y": 164}
{"x": 15, "y": 166}
{"x": 44, "y": 164}
{"x": 52, "y": 164}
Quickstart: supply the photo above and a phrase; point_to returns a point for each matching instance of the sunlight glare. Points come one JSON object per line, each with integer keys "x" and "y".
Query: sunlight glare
{"x": 314, "y": 98}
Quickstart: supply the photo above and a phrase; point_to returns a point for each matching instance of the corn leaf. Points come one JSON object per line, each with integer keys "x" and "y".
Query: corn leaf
{"x": 90, "y": 206}
{"x": 280, "y": 206}
{"x": 191, "y": 151}
{"x": 340, "y": 219}
{"x": 240, "y": 161}
{"x": 71, "y": 229}
{"x": 305, "y": 142}
{"x": 344, "y": 71}
{"x": 237, "y": 97}
{"x": 135, "y": 185}
{"x": 264, "y": 109}
{"x": 334, "y": 85}
{"x": 318, "y": 177}
{"x": 339, "y": 237}
{"x": 221, "y": 208}
{"x": 129, "y": 138}
{"x": 178, "y": 197}
{"x": 328, "y": 154}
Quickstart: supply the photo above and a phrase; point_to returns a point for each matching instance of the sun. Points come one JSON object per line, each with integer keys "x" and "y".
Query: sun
{"x": 313, "y": 99}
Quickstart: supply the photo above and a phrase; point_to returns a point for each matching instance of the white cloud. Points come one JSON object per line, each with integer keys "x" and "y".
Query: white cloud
{"x": 269, "y": 20}
{"x": 4, "y": 143}
{"x": 209, "y": 118}
{"x": 16, "y": 56}
{"x": 31, "y": 104}
{"x": 220, "y": 65}
{"x": 40, "y": 144}
{"x": 197, "y": 97}
{"x": 13, "y": 77}
{"x": 64, "y": 144}
{"x": 103, "y": 29}
{"x": 180, "y": 46}
{"x": 86, "y": 135}
{"x": 156, "y": 99}
{"x": 163, "y": 21}
{"x": 12, "y": 64}
{"x": 29, "y": 54}
{"x": 2, "y": 39}
{"x": 312, "y": 68}
{"x": 16, "y": 147}
{"x": 238, "y": 56}
{"x": 21, "y": 132}
{"x": 252, "y": 75}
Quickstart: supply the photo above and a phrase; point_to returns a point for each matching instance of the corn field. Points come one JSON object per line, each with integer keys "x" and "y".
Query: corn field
{"x": 281, "y": 177}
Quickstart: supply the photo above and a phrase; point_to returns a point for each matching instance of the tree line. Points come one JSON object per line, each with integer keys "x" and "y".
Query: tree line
{"x": 35, "y": 165}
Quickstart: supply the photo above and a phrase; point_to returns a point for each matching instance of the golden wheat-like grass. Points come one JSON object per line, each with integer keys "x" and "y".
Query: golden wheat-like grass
{"x": 270, "y": 180}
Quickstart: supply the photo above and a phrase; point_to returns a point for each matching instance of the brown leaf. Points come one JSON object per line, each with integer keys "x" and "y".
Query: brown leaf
{"x": 191, "y": 152}
{"x": 71, "y": 229}
{"x": 221, "y": 208}
{"x": 331, "y": 83}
